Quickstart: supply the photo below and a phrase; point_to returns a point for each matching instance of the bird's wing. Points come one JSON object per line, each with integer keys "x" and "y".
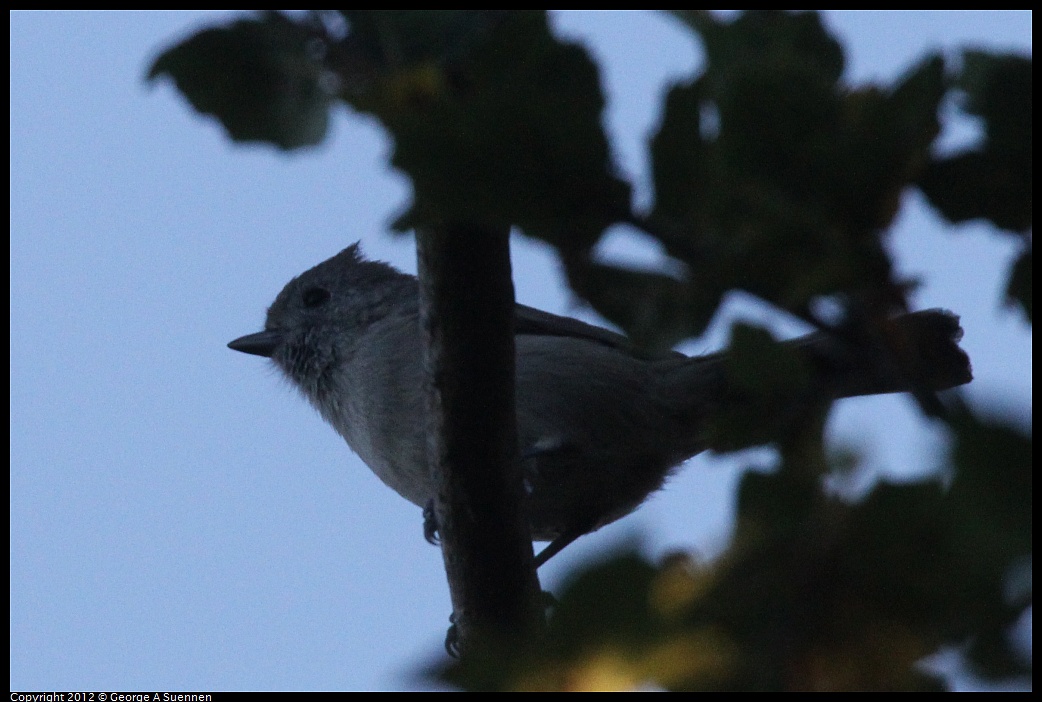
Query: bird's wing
{"x": 529, "y": 320}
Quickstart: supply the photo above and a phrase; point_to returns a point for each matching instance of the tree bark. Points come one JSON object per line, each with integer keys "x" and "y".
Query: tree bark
{"x": 467, "y": 316}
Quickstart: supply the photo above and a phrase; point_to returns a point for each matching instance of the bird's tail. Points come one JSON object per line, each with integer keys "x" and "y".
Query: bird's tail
{"x": 916, "y": 352}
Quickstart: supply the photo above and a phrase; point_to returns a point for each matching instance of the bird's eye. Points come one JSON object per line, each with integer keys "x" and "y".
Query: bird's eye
{"x": 315, "y": 297}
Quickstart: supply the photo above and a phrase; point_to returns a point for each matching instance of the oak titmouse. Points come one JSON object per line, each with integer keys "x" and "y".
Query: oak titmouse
{"x": 600, "y": 427}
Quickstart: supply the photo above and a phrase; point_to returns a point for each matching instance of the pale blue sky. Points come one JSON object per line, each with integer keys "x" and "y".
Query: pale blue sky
{"x": 180, "y": 518}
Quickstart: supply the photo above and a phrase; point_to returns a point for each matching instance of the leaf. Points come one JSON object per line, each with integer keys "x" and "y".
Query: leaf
{"x": 395, "y": 39}
{"x": 991, "y": 504}
{"x": 679, "y": 156}
{"x": 655, "y": 310}
{"x": 992, "y": 180}
{"x": 774, "y": 505}
{"x": 508, "y": 132}
{"x": 998, "y": 88}
{"x": 767, "y": 398}
{"x": 614, "y": 627}
{"x": 261, "y": 78}
{"x": 890, "y": 133}
{"x": 980, "y": 185}
{"x": 1018, "y": 290}
{"x": 992, "y": 487}
{"x": 771, "y": 177}
{"x": 767, "y": 33}
{"x": 757, "y": 363}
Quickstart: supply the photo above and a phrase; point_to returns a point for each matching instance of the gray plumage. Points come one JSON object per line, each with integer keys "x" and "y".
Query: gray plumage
{"x": 600, "y": 428}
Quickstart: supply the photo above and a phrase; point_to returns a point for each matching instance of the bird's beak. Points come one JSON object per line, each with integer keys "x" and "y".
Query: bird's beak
{"x": 260, "y": 344}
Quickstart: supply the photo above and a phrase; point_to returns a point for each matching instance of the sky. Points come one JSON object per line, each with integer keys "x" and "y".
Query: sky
{"x": 180, "y": 518}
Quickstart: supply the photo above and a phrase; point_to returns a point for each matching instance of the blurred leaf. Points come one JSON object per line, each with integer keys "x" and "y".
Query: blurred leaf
{"x": 509, "y": 133}
{"x": 890, "y": 136}
{"x": 770, "y": 397}
{"x": 895, "y": 573}
{"x": 772, "y": 177}
{"x": 992, "y": 655}
{"x": 1018, "y": 290}
{"x": 820, "y": 595}
{"x": 655, "y": 310}
{"x": 998, "y": 88}
{"x": 991, "y": 501}
{"x": 757, "y": 363}
{"x": 262, "y": 78}
{"x": 992, "y": 488}
{"x": 979, "y": 185}
{"x": 993, "y": 180}
{"x": 613, "y": 628}
{"x": 394, "y": 39}
{"x": 774, "y": 505}
{"x": 679, "y": 153}
{"x": 767, "y": 32}
{"x": 607, "y": 600}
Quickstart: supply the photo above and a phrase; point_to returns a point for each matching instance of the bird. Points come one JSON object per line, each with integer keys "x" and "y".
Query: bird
{"x": 601, "y": 425}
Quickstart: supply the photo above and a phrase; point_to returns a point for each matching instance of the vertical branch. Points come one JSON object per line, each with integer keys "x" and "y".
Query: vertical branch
{"x": 467, "y": 315}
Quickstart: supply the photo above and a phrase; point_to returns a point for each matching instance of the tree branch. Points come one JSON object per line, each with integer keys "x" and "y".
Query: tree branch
{"x": 467, "y": 315}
